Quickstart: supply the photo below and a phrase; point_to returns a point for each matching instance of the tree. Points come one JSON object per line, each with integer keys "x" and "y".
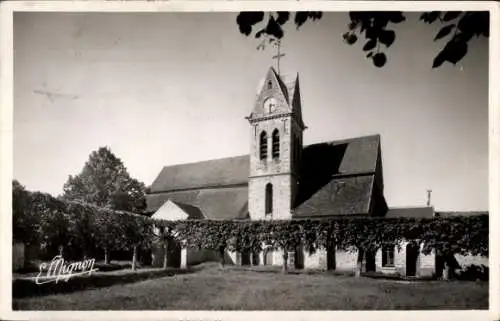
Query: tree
{"x": 108, "y": 235}
{"x": 137, "y": 232}
{"x": 105, "y": 182}
{"x": 54, "y": 224}
{"x": 25, "y": 225}
{"x": 462, "y": 26}
{"x": 84, "y": 228}
{"x": 286, "y": 237}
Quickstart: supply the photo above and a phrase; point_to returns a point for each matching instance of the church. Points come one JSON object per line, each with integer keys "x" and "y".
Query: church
{"x": 283, "y": 179}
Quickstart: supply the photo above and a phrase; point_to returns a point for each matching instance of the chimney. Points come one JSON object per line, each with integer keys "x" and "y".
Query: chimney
{"x": 429, "y": 191}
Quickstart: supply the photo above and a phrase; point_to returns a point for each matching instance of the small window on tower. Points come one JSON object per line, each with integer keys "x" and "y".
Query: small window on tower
{"x": 269, "y": 198}
{"x": 263, "y": 145}
{"x": 269, "y": 85}
{"x": 276, "y": 144}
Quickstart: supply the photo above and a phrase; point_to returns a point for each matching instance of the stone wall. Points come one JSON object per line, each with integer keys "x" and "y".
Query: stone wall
{"x": 282, "y": 196}
{"x": 278, "y": 171}
{"x": 425, "y": 264}
{"x": 312, "y": 261}
{"x": 346, "y": 261}
{"x": 270, "y": 165}
{"x": 199, "y": 256}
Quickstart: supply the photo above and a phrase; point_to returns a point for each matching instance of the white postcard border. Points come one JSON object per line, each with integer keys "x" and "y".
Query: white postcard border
{"x": 6, "y": 152}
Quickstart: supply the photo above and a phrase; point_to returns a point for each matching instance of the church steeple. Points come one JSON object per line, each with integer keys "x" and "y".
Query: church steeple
{"x": 276, "y": 147}
{"x": 277, "y": 94}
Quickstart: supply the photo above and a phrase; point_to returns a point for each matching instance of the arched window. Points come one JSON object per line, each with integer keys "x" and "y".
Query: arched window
{"x": 269, "y": 198}
{"x": 269, "y": 85}
{"x": 263, "y": 145}
{"x": 276, "y": 144}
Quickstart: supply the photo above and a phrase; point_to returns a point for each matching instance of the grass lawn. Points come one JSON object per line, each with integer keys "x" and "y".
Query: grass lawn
{"x": 212, "y": 288}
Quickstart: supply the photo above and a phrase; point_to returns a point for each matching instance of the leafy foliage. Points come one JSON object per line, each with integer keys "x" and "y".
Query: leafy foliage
{"x": 54, "y": 224}
{"x": 83, "y": 227}
{"x": 273, "y": 30}
{"x": 105, "y": 182}
{"x": 375, "y": 27}
{"x": 59, "y": 222}
{"x": 24, "y": 225}
{"x": 456, "y": 235}
{"x": 466, "y": 26}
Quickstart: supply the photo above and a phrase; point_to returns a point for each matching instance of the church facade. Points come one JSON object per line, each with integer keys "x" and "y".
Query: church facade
{"x": 283, "y": 179}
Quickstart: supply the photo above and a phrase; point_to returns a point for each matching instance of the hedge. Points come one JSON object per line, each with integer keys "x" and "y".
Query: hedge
{"x": 457, "y": 235}
{"x": 53, "y": 222}
{"x": 79, "y": 227}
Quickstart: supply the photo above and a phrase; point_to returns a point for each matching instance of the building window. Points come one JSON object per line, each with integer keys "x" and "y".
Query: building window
{"x": 269, "y": 85}
{"x": 269, "y": 198}
{"x": 276, "y": 144}
{"x": 388, "y": 256}
{"x": 263, "y": 145}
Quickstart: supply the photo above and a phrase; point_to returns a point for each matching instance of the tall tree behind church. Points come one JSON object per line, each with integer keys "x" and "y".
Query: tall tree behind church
{"x": 105, "y": 182}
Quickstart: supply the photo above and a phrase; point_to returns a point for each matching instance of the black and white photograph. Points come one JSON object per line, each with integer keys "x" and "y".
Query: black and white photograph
{"x": 250, "y": 159}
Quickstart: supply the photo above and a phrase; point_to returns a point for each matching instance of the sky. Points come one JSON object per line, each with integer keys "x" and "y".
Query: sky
{"x": 169, "y": 88}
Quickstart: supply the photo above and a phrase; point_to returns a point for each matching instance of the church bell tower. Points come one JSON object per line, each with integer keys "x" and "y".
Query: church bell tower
{"x": 275, "y": 148}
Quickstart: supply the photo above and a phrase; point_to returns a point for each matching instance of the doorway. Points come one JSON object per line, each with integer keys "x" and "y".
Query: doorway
{"x": 370, "y": 261}
{"x": 255, "y": 258}
{"x": 411, "y": 260}
{"x": 299, "y": 257}
{"x": 331, "y": 262}
{"x": 245, "y": 258}
{"x": 174, "y": 255}
{"x": 439, "y": 265}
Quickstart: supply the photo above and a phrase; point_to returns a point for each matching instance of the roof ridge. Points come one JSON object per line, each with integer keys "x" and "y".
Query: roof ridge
{"x": 183, "y": 204}
{"x": 409, "y": 207}
{"x": 454, "y": 212}
{"x": 206, "y": 161}
{"x": 238, "y": 184}
{"x": 346, "y": 139}
{"x": 282, "y": 84}
{"x": 187, "y": 207}
{"x": 459, "y": 211}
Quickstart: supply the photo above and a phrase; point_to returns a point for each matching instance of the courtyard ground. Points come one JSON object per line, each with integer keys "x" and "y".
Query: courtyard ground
{"x": 214, "y": 288}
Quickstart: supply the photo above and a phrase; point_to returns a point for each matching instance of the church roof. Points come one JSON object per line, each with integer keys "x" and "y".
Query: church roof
{"x": 343, "y": 196}
{"x": 427, "y": 212}
{"x": 337, "y": 178}
{"x": 286, "y": 82}
{"x": 461, "y": 213}
{"x": 214, "y": 203}
{"x": 211, "y": 173}
{"x": 193, "y": 212}
{"x": 410, "y": 212}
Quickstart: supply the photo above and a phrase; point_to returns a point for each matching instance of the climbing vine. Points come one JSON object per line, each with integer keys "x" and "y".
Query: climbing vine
{"x": 457, "y": 235}
{"x": 53, "y": 222}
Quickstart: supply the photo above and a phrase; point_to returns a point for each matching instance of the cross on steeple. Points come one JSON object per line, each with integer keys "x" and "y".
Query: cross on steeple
{"x": 278, "y": 55}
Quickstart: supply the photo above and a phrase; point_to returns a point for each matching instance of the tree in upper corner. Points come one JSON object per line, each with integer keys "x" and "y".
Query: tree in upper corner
{"x": 105, "y": 182}
{"x": 459, "y": 27}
